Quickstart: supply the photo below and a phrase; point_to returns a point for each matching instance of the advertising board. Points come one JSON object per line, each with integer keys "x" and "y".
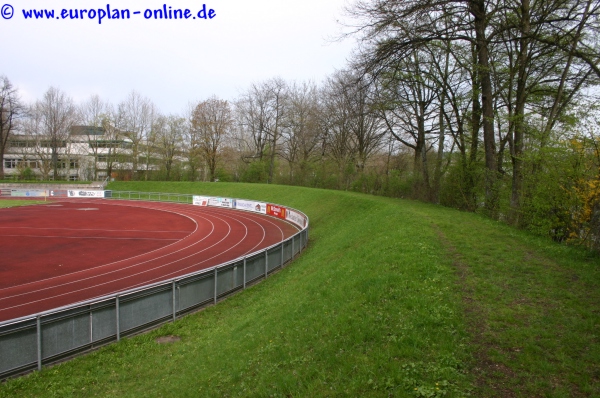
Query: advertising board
{"x": 220, "y": 202}
{"x": 200, "y": 200}
{"x": 29, "y": 192}
{"x": 295, "y": 217}
{"x": 59, "y": 193}
{"x": 76, "y": 193}
{"x": 276, "y": 211}
{"x": 249, "y": 205}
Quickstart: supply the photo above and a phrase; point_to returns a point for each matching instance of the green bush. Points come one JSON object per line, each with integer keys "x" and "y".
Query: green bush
{"x": 257, "y": 171}
{"x": 27, "y": 174}
{"x": 462, "y": 187}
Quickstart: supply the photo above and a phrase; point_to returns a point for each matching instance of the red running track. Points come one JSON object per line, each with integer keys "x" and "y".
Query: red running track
{"x": 69, "y": 251}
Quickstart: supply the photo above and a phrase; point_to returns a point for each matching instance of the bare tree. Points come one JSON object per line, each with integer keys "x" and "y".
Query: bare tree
{"x": 37, "y": 145}
{"x": 11, "y": 109}
{"x": 112, "y": 147}
{"x": 137, "y": 114}
{"x": 412, "y": 105}
{"x": 166, "y": 138}
{"x": 276, "y": 90}
{"x": 55, "y": 113}
{"x": 366, "y": 127}
{"x": 337, "y": 122}
{"x": 252, "y": 117}
{"x": 191, "y": 144}
{"x": 301, "y": 133}
{"x": 352, "y": 129}
{"x": 261, "y": 116}
{"x": 93, "y": 113}
{"x": 212, "y": 121}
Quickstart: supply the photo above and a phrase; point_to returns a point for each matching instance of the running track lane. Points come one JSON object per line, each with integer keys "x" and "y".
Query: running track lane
{"x": 163, "y": 241}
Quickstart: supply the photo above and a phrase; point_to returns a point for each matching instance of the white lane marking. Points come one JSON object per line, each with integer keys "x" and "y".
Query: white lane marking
{"x": 85, "y": 237}
{"x": 92, "y": 229}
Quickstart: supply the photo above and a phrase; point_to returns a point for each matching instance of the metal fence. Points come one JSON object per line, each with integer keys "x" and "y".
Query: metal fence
{"x": 152, "y": 196}
{"x": 31, "y": 342}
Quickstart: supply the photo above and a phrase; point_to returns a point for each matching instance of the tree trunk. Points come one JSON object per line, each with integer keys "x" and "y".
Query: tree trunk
{"x": 491, "y": 195}
{"x": 517, "y": 153}
{"x": 2, "y": 163}
{"x": 272, "y": 160}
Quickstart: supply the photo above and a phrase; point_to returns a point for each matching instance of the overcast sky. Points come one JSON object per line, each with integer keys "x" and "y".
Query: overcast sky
{"x": 172, "y": 62}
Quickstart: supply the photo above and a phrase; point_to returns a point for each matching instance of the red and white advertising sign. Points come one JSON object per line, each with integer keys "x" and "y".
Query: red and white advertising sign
{"x": 200, "y": 200}
{"x": 277, "y": 211}
{"x": 59, "y": 193}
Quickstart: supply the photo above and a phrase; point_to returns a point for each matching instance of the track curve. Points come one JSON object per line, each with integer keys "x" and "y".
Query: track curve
{"x": 140, "y": 243}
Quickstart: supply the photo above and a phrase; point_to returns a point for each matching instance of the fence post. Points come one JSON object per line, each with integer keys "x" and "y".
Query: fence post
{"x": 305, "y": 238}
{"x": 244, "y": 273}
{"x": 215, "y": 285}
{"x": 234, "y": 276}
{"x": 174, "y": 305}
{"x": 266, "y": 263}
{"x": 39, "y": 341}
{"x": 117, "y": 314}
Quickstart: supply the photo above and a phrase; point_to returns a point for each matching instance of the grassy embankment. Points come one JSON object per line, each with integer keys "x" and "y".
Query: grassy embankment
{"x": 392, "y": 298}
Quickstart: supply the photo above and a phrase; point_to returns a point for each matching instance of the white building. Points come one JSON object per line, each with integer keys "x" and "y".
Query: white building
{"x": 88, "y": 153}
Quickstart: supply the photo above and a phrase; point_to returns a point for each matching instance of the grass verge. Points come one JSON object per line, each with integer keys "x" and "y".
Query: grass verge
{"x": 46, "y": 182}
{"x": 14, "y": 203}
{"x": 392, "y": 298}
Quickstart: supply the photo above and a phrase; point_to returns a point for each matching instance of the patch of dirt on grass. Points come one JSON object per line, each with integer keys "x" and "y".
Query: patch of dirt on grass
{"x": 490, "y": 377}
{"x": 167, "y": 339}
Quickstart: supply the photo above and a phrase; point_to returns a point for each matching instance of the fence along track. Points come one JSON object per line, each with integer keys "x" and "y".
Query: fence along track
{"x": 30, "y": 342}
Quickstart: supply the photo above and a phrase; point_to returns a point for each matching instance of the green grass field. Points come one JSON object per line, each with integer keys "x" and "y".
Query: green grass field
{"x": 15, "y": 202}
{"x": 44, "y": 182}
{"x": 391, "y": 298}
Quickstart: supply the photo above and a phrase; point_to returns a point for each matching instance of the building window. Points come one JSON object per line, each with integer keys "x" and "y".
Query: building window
{"x": 110, "y": 144}
{"x": 21, "y": 144}
{"x": 11, "y": 163}
{"x": 68, "y": 164}
{"x": 73, "y": 178}
{"x": 16, "y": 163}
{"x": 53, "y": 144}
